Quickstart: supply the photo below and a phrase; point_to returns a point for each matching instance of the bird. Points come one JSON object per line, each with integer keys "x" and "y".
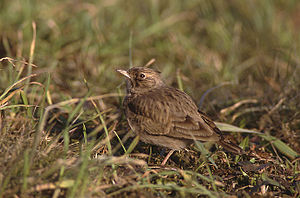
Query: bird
{"x": 166, "y": 116}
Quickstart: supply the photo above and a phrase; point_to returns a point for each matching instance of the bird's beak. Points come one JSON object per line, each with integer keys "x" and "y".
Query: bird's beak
{"x": 123, "y": 72}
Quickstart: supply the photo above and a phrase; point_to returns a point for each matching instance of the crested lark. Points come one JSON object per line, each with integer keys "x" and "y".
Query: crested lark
{"x": 165, "y": 116}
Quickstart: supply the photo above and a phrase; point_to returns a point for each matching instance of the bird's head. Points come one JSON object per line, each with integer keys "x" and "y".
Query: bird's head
{"x": 141, "y": 79}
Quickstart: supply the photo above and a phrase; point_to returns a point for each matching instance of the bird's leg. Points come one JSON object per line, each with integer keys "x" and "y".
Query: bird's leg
{"x": 167, "y": 157}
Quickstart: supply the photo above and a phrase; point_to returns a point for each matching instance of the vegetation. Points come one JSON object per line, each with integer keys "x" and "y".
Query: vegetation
{"x": 62, "y": 129}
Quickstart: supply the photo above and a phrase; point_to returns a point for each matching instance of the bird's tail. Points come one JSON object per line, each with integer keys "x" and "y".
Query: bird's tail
{"x": 231, "y": 147}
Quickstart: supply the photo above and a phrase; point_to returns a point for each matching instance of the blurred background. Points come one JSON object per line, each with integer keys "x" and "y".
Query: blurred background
{"x": 251, "y": 44}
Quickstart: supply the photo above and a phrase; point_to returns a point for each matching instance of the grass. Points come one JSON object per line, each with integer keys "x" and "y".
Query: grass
{"x": 63, "y": 133}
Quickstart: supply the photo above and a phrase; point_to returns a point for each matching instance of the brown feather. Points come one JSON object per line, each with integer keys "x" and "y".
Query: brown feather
{"x": 166, "y": 116}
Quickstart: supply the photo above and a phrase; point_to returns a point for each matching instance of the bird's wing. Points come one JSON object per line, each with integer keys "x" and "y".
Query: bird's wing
{"x": 146, "y": 113}
{"x": 190, "y": 123}
{"x": 172, "y": 113}
{"x": 210, "y": 123}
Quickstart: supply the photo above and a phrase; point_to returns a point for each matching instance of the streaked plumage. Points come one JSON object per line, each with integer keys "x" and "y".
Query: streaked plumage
{"x": 165, "y": 116}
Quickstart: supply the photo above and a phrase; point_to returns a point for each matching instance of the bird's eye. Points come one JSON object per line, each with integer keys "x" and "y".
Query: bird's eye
{"x": 142, "y": 75}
